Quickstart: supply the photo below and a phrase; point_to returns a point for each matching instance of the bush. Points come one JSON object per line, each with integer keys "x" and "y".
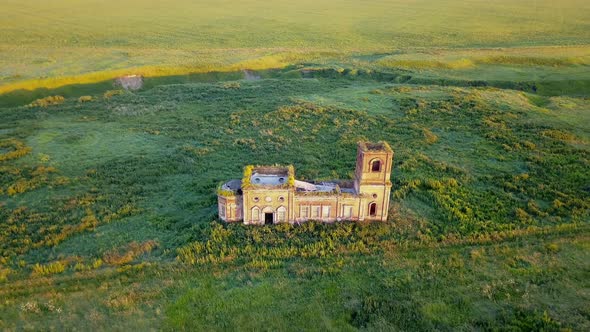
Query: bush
{"x": 50, "y": 268}
{"x": 132, "y": 251}
{"x": 4, "y": 272}
{"x": 47, "y": 101}
{"x": 552, "y": 247}
{"x": 558, "y": 134}
{"x": 429, "y": 136}
{"x": 111, "y": 93}
{"x": 231, "y": 85}
{"x": 522, "y": 215}
{"x": 19, "y": 149}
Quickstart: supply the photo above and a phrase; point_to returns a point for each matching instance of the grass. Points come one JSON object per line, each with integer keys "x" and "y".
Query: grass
{"x": 258, "y": 24}
{"x": 42, "y": 47}
{"x": 517, "y": 284}
{"x": 118, "y": 194}
{"x": 108, "y": 197}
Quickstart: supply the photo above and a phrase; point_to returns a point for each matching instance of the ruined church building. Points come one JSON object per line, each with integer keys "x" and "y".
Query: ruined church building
{"x": 271, "y": 194}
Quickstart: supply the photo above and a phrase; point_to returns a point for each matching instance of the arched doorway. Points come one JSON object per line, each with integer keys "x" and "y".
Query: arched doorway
{"x": 373, "y": 209}
{"x": 268, "y": 215}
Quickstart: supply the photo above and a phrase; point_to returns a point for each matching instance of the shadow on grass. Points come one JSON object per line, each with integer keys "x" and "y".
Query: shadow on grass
{"x": 399, "y": 76}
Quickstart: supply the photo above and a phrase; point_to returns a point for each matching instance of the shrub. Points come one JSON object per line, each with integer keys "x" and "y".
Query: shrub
{"x": 50, "y": 268}
{"x": 558, "y": 134}
{"x": 455, "y": 261}
{"x": 557, "y": 203}
{"x": 246, "y": 142}
{"x": 521, "y": 320}
{"x": 43, "y": 170}
{"x": 47, "y": 101}
{"x": 477, "y": 254}
{"x": 522, "y": 215}
{"x": 19, "y": 149}
{"x": 111, "y": 93}
{"x": 132, "y": 251}
{"x": 434, "y": 184}
{"x": 231, "y": 85}
{"x": 199, "y": 152}
{"x": 97, "y": 263}
{"x": 224, "y": 192}
{"x": 429, "y": 136}
{"x": 552, "y": 247}
{"x": 18, "y": 187}
{"x": 4, "y": 272}
{"x": 529, "y": 145}
{"x": 248, "y": 169}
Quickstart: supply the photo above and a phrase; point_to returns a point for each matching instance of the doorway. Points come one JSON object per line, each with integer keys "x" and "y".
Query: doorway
{"x": 268, "y": 219}
{"x": 373, "y": 209}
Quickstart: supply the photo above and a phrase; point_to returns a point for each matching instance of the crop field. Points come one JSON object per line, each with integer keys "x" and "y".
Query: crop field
{"x": 46, "y": 44}
{"x": 108, "y": 206}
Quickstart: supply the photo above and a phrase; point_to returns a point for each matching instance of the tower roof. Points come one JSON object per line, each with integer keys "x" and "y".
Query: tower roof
{"x": 374, "y": 146}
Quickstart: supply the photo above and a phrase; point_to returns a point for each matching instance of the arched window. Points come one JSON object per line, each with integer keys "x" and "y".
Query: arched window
{"x": 376, "y": 165}
{"x": 281, "y": 214}
{"x": 255, "y": 213}
{"x": 231, "y": 213}
{"x": 373, "y": 209}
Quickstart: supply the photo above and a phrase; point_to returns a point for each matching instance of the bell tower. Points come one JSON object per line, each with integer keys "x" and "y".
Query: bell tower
{"x": 372, "y": 179}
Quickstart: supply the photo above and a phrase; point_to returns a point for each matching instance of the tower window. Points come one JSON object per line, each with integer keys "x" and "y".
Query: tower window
{"x": 376, "y": 165}
{"x": 373, "y": 209}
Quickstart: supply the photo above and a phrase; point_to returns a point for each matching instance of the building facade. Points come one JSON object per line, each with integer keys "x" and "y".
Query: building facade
{"x": 271, "y": 194}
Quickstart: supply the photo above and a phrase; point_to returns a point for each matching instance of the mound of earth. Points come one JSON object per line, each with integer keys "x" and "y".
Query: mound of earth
{"x": 130, "y": 82}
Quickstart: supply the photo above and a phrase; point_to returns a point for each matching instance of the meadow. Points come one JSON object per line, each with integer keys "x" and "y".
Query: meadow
{"x": 108, "y": 216}
{"x": 116, "y": 192}
{"x": 46, "y": 44}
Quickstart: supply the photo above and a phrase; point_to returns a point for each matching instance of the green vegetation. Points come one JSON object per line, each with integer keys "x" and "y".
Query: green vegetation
{"x": 108, "y": 214}
{"x": 47, "y": 101}
{"x": 42, "y": 46}
{"x": 118, "y": 194}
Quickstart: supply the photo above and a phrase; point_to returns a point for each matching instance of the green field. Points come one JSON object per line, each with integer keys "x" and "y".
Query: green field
{"x": 108, "y": 215}
{"x": 43, "y": 40}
